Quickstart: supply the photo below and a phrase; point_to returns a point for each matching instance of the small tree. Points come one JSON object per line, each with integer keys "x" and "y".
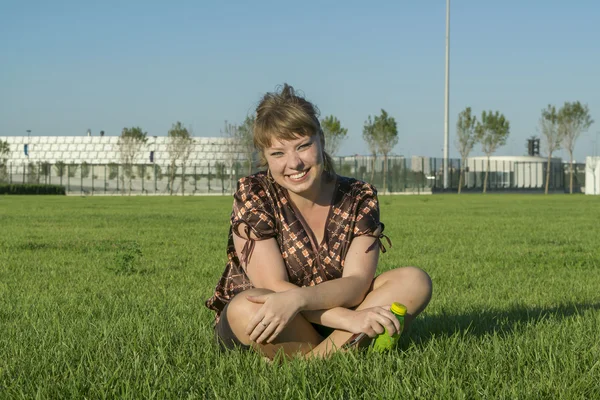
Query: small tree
{"x": 243, "y": 135}
{"x": 179, "y": 147}
{"x": 573, "y": 120}
{"x": 491, "y": 132}
{"x": 85, "y": 169}
{"x": 334, "y": 134}
{"x": 386, "y": 137}
{"x": 4, "y": 151}
{"x": 548, "y": 126}
{"x": 465, "y": 140}
{"x": 130, "y": 145}
{"x": 220, "y": 174}
{"x": 369, "y": 138}
{"x": 60, "y": 167}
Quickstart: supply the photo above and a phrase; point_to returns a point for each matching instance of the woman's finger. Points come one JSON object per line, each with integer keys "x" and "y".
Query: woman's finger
{"x": 256, "y": 319}
{"x": 266, "y": 333}
{"x": 257, "y": 331}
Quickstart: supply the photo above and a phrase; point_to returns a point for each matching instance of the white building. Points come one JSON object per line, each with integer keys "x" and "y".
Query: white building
{"x": 592, "y": 175}
{"x": 105, "y": 150}
{"x": 520, "y": 172}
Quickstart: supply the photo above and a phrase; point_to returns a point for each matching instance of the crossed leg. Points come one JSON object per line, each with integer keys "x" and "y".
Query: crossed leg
{"x": 409, "y": 285}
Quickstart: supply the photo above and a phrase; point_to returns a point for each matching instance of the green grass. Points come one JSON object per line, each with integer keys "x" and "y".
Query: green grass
{"x": 103, "y": 298}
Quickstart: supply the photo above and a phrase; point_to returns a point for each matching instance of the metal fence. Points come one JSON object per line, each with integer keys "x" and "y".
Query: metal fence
{"x": 402, "y": 175}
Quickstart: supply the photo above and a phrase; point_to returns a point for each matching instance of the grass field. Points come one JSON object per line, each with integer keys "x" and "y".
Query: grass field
{"x": 104, "y": 298}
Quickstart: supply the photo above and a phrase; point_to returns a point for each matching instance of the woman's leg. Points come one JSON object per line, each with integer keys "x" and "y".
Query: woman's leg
{"x": 410, "y": 286}
{"x": 299, "y": 336}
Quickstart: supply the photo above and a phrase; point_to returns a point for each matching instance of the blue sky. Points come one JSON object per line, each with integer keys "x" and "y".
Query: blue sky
{"x": 67, "y": 66}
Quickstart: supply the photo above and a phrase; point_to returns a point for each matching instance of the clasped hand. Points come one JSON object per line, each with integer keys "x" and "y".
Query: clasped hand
{"x": 277, "y": 310}
{"x": 373, "y": 321}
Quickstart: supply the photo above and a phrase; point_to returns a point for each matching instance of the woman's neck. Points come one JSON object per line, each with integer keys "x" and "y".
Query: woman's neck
{"x": 320, "y": 196}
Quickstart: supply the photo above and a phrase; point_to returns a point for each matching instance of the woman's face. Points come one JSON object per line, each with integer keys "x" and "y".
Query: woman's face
{"x": 297, "y": 164}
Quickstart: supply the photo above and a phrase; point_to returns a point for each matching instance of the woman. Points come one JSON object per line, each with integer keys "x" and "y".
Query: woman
{"x": 303, "y": 247}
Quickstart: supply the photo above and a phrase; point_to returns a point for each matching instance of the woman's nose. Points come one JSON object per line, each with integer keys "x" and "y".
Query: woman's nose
{"x": 295, "y": 162}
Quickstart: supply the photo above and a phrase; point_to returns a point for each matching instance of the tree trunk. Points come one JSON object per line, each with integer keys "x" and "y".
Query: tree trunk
{"x": 183, "y": 179}
{"x": 171, "y": 178}
{"x": 548, "y": 173}
{"x": 373, "y": 168}
{"x": 385, "y": 173}
{"x": 460, "y": 179}
{"x": 571, "y": 172}
{"x": 487, "y": 171}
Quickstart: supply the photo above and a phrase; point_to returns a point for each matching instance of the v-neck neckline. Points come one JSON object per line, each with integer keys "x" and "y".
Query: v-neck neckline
{"x": 309, "y": 232}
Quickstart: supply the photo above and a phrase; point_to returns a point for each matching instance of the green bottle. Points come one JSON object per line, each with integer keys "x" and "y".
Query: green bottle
{"x": 384, "y": 341}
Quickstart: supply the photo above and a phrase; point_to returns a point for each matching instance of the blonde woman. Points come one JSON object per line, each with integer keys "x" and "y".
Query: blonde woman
{"x": 303, "y": 247}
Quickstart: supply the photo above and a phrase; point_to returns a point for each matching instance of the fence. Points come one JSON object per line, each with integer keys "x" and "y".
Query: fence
{"x": 402, "y": 175}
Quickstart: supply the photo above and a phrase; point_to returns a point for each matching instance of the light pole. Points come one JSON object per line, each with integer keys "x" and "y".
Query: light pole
{"x": 447, "y": 95}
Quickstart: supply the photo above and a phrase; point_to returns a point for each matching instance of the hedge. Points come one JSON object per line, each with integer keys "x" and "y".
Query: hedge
{"x": 19, "y": 188}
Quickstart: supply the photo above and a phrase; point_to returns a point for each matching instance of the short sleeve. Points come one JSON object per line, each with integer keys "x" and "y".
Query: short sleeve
{"x": 367, "y": 217}
{"x": 367, "y": 211}
{"x": 252, "y": 206}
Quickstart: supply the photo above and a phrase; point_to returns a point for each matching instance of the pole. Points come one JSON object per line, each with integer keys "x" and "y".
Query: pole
{"x": 446, "y": 95}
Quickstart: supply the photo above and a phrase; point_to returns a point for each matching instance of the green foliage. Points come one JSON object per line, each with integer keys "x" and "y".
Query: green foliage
{"x": 243, "y": 136}
{"x": 334, "y": 134}
{"x": 492, "y": 131}
{"x": 549, "y": 127}
{"x": 113, "y": 170}
{"x": 61, "y": 168}
{"x": 45, "y": 168}
{"x": 32, "y": 172}
{"x": 133, "y": 135}
{"x": 381, "y": 135}
{"x": 72, "y": 170}
{"x": 465, "y": 132}
{"x": 4, "y": 150}
{"x": 573, "y": 119}
{"x": 85, "y": 169}
{"x": 465, "y": 138}
{"x": 17, "y": 188}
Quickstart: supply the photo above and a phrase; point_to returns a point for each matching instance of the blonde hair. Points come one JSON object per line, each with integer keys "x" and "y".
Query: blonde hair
{"x": 285, "y": 115}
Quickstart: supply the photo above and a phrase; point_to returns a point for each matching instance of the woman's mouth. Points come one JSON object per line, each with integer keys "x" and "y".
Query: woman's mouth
{"x": 300, "y": 176}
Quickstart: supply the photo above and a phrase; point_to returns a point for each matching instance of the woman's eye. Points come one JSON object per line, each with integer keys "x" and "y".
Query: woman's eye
{"x": 276, "y": 154}
{"x": 306, "y": 145}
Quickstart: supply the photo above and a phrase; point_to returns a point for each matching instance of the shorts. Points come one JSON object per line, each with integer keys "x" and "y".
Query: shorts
{"x": 227, "y": 339}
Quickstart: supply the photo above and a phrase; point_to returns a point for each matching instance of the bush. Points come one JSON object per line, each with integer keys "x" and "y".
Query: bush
{"x": 18, "y": 188}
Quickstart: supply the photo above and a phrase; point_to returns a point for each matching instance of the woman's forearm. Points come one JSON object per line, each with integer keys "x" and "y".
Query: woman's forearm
{"x": 344, "y": 292}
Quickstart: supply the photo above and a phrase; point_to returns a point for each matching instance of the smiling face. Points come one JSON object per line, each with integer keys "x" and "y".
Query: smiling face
{"x": 296, "y": 164}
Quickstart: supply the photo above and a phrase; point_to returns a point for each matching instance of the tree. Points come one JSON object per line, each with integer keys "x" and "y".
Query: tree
{"x": 130, "y": 145}
{"x": 179, "y": 147}
{"x": 573, "y": 119}
{"x": 465, "y": 139}
{"x": 4, "y": 151}
{"x": 548, "y": 127}
{"x": 369, "y": 138}
{"x": 386, "y": 137}
{"x": 492, "y": 132}
{"x": 243, "y": 135}
{"x": 334, "y": 134}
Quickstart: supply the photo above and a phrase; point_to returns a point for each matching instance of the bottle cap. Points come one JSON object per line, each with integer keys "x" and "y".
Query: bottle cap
{"x": 398, "y": 309}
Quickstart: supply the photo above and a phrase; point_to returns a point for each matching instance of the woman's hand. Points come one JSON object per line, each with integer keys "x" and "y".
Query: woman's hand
{"x": 373, "y": 321}
{"x": 277, "y": 310}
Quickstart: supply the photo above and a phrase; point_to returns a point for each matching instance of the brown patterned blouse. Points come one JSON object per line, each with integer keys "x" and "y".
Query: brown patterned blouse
{"x": 268, "y": 212}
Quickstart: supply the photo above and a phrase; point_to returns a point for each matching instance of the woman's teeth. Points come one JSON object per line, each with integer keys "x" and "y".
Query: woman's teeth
{"x": 298, "y": 175}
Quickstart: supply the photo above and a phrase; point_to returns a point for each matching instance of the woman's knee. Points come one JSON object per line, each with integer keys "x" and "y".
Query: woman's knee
{"x": 412, "y": 277}
{"x": 240, "y": 310}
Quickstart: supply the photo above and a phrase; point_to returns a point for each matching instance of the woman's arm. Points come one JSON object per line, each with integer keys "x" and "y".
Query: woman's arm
{"x": 325, "y": 303}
